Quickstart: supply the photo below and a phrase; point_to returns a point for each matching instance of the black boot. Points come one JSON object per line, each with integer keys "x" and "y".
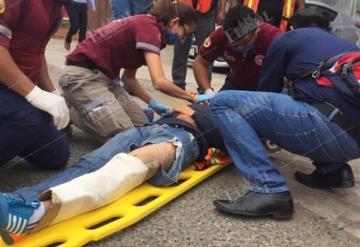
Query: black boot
{"x": 277, "y": 205}
{"x": 341, "y": 178}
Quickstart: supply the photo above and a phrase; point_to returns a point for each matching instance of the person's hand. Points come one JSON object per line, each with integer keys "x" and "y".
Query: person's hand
{"x": 51, "y": 103}
{"x": 203, "y": 97}
{"x": 159, "y": 108}
{"x": 187, "y": 118}
{"x": 184, "y": 109}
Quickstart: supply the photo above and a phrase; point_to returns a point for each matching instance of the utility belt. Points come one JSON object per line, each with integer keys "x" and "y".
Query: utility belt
{"x": 91, "y": 66}
{"x": 336, "y": 116}
{"x": 85, "y": 64}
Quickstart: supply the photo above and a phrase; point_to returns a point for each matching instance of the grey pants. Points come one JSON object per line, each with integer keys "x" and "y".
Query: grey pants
{"x": 98, "y": 106}
{"x": 205, "y": 25}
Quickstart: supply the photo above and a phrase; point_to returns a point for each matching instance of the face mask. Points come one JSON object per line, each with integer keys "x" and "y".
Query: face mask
{"x": 171, "y": 38}
{"x": 245, "y": 50}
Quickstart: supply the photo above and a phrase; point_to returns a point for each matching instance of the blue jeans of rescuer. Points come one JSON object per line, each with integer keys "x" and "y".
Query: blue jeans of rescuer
{"x": 30, "y": 133}
{"x": 293, "y": 125}
{"x": 187, "y": 151}
{"x": 124, "y": 8}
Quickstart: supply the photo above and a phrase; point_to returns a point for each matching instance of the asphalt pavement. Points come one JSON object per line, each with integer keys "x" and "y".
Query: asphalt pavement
{"x": 322, "y": 218}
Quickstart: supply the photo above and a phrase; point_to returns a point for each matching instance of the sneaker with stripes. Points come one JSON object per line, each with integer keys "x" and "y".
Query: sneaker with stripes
{"x": 15, "y": 216}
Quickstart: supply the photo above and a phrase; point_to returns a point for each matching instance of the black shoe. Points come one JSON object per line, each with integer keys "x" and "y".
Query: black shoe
{"x": 277, "y": 205}
{"x": 341, "y": 178}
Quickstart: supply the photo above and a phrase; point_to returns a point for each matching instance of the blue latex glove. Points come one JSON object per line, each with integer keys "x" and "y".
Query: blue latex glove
{"x": 204, "y": 97}
{"x": 159, "y": 108}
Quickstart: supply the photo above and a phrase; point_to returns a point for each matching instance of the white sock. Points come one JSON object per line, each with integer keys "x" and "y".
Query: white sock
{"x": 38, "y": 214}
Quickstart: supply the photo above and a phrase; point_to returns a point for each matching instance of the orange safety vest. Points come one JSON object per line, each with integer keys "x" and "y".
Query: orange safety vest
{"x": 288, "y": 11}
{"x": 203, "y": 6}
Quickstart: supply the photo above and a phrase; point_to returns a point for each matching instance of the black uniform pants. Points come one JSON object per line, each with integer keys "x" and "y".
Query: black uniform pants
{"x": 78, "y": 20}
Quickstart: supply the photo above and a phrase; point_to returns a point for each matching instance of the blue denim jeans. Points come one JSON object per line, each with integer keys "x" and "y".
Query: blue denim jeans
{"x": 293, "y": 125}
{"x": 187, "y": 151}
{"x": 124, "y": 8}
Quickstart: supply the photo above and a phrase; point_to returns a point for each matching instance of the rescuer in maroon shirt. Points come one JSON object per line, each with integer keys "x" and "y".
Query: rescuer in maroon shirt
{"x": 243, "y": 43}
{"x": 100, "y": 105}
{"x": 31, "y": 110}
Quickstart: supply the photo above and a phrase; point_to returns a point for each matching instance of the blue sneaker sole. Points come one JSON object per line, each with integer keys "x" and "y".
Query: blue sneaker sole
{"x": 3, "y": 217}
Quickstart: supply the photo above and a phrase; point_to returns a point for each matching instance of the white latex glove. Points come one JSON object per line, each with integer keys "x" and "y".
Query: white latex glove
{"x": 51, "y": 103}
{"x": 209, "y": 91}
{"x": 56, "y": 92}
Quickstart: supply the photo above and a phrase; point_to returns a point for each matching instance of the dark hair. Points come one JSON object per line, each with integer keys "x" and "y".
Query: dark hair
{"x": 309, "y": 18}
{"x": 165, "y": 10}
{"x": 239, "y": 22}
{"x": 238, "y": 14}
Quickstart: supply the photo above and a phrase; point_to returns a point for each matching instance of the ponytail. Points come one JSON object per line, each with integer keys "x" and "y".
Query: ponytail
{"x": 165, "y": 10}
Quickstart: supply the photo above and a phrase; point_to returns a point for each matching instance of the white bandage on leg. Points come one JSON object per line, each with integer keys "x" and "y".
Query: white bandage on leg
{"x": 117, "y": 177}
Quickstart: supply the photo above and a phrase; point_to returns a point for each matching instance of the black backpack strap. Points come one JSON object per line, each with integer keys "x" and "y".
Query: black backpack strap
{"x": 314, "y": 73}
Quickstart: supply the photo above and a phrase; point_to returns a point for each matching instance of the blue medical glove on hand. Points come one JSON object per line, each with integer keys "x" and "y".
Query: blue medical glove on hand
{"x": 203, "y": 97}
{"x": 209, "y": 91}
{"x": 159, "y": 108}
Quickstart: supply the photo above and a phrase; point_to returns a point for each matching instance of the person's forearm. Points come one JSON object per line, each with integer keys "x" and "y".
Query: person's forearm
{"x": 11, "y": 76}
{"x": 169, "y": 88}
{"x": 136, "y": 89}
{"x": 160, "y": 82}
{"x": 220, "y": 15}
{"x": 44, "y": 81}
{"x": 222, "y": 6}
{"x": 201, "y": 75}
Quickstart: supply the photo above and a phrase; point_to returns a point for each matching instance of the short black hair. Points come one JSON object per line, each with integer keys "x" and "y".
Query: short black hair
{"x": 240, "y": 20}
{"x": 309, "y": 18}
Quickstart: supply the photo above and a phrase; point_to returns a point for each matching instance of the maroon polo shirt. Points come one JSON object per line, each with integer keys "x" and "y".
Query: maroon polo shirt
{"x": 245, "y": 70}
{"x": 121, "y": 44}
{"x": 26, "y": 27}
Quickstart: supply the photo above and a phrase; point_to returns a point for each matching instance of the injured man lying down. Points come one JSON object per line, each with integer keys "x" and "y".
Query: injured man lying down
{"x": 156, "y": 152}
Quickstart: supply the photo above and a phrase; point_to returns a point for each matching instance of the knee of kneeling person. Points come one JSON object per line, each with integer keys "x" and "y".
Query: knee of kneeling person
{"x": 61, "y": 156}
{"x": 61, "y": 161}
{"x": 54, "y": 159}
{"x": 57, "y": 163}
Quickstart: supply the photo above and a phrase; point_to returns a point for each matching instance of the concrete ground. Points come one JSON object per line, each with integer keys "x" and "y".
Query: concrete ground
{"x": 323, "y": 217}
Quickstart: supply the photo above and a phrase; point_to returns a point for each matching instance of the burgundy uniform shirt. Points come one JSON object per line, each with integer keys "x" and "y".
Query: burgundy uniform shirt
{"x": 26, "y": 27}
{"x": 121, "y": 44}
{"x": 245, "y": 70}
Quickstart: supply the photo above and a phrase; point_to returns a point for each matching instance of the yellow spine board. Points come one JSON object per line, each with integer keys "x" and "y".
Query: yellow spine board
{"x": 100, "y": 223}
